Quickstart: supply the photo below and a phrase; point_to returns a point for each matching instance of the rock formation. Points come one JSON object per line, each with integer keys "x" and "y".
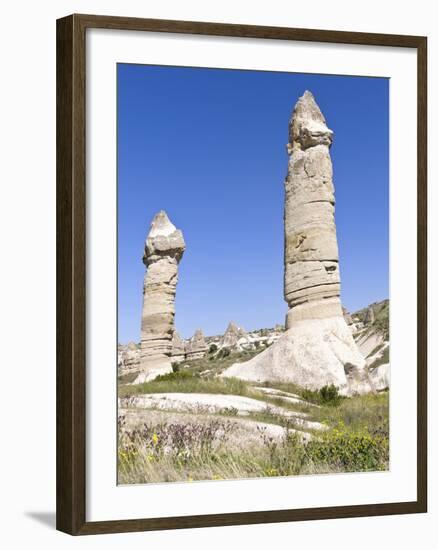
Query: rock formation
{"x": 380, "y": 377}
{"x": 178, "y": 353}
{"x": 369, "y": 316}
{"x": 196, "y": 347}
{"x": 164, "y": 248}
{"x": 232, "y": 336}
{"x": 317, "y": 347}
{"x": 128, "y": 358}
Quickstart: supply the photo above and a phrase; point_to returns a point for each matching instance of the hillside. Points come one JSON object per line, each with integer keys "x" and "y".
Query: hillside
{"x": 381, "y": 316}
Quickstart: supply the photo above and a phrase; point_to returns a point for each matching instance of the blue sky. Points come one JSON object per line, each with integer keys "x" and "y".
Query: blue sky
{"x": 209, "y": 147}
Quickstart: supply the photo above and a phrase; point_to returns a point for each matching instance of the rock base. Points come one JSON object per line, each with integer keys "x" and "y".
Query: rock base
{"x": 153, "y": 371}
{"x": 312, "y": 353}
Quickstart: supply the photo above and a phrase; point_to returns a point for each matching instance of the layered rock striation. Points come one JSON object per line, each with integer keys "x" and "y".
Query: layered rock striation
{"x": 163, "y": 251}
{"x": 311, "y": 260}
{"x": 317, "y": 347}
{"x": 196, "y": 347}
{"x": 178, "y": 353}
{"x": 128, "y": 358}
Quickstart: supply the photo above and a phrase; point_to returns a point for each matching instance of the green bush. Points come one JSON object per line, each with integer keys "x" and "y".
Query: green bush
{"x": 330, "y": 395}
{"x": 351, "y": 451}
{"x": 224, "y": 352}
{"x": 327, "y": 395}
{"x": 212, "y": 349}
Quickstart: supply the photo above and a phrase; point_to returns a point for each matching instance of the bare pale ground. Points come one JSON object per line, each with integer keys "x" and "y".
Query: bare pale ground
{"x": 204, "y": 404}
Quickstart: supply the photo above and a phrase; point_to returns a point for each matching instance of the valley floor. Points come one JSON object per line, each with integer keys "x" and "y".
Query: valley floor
{"x": 191, "y": 425}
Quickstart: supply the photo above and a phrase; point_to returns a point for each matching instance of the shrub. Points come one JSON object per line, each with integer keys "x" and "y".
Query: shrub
{"x": 224, "y": 352}
{"x": 330, "y": 395}
{"x": 327, "y": 395}
{"x": 352, "y": 451}
{"x": 212, "y": 349}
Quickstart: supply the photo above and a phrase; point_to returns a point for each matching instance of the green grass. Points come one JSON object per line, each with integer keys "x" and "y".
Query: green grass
{"x": 357, "y": 438}
{"x": 362, "y": 412}
{"x": 194, "y": 453}
{"x": 190, "y": 452}
{"x": 189, "y": 383}
{"x": 187, "y": 377}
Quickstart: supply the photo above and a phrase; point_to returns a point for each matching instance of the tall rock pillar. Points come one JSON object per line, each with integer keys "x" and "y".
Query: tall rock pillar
{"x": 163, "y": 251}
{"x": 311, "y": 260}
{"x": 317, "y": 348}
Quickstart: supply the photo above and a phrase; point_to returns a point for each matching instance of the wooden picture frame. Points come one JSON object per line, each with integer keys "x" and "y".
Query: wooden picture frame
{"x": 71, "y": 273}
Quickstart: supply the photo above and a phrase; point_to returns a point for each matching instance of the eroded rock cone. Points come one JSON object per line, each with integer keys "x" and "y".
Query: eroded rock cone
{"x": 163, "y": 251}
{"x": 129, "y": 358}
{"x": 178, "y": 348}
{"x": 232, "y": 336}
{"x": 317, "y": 348}
{"x": 196, "y": 347}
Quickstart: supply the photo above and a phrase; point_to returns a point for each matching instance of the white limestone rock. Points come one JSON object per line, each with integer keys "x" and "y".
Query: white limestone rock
{"x": 380, "y": 377}
{"x": 312, "y": 353}
{"x": 369, "y": 340}
{"x": 164, "y": 249}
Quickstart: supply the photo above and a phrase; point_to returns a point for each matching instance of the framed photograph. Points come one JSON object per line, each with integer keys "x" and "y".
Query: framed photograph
{"x": 241, "y": 274}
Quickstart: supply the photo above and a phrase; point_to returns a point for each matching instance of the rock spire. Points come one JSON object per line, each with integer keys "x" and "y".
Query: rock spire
{"x": 311, "y": 261}
{"x": 178, "y": 348}
{"x": 232, "y": 336}
{"x": 317, "y": 348}
{"x": 196, "y": 347}
{"x": 163, "y": 251}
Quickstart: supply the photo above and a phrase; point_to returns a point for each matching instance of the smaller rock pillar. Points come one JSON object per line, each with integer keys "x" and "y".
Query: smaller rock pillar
{"x": 163, "y": 251}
